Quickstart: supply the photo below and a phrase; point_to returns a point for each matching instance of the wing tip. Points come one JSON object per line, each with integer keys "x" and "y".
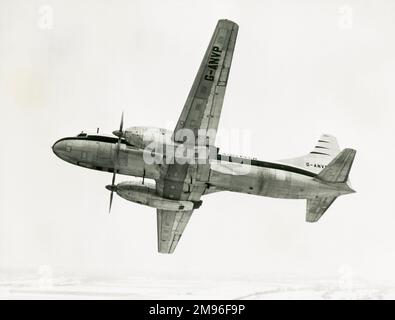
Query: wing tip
{"x": 164, "y": 250}
{"x": 227, "y": 21}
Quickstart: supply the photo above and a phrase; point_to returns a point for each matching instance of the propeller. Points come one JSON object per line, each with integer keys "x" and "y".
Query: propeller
{"x": 112, "y": 187}
{"x": 119, "y": 133}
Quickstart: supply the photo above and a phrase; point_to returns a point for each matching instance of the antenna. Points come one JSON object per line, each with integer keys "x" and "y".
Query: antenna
{"x": 97, "y": 131}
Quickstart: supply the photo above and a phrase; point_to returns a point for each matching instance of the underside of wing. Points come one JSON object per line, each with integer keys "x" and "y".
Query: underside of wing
{"x": 171, "y": 225}
{"x": 202, "y": 109}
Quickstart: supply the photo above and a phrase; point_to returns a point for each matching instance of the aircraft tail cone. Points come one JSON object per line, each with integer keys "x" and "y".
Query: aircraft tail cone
{"x": 347, "y": 188}
{"x": 350, "y": 190}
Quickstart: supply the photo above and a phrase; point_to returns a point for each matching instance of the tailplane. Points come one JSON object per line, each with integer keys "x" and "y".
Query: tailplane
{"x": 336, "y": 172}
{"x": 339, "y": 168}
{"x": 330, "y": 166}
{"x": 316, "y": 207}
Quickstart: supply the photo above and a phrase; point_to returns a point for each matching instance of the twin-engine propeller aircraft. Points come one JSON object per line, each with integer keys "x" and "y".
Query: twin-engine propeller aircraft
{"x": 184, "y": 176}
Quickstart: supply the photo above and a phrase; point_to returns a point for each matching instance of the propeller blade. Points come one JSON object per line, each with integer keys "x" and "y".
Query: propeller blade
{"x": 121, "y": 125}
{"x": 113, "y": 178}
{"x": 111, "y": 196}
{"x": 112, "y": 189}
{"x": 119, "y": 133}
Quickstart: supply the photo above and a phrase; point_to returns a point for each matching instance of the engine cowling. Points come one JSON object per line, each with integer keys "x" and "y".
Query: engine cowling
{"x": 141, "y": 137}
{"x": 145, "y": 194}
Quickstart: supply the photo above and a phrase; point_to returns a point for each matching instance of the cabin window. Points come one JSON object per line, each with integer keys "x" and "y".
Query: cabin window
{"x": 68, "y": 148}
{"x": 83, "y": 155}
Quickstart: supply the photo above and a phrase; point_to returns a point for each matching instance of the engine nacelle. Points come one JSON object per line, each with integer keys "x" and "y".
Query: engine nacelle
{"x": 141, "y": 137}
{"x": 146, "y": 194}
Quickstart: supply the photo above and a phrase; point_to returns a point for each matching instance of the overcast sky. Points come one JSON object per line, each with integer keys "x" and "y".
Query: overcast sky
{"x": 299, "y": 70}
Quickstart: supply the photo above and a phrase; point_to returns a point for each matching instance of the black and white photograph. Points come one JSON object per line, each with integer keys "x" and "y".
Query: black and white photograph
{"x": 197, "y": 150}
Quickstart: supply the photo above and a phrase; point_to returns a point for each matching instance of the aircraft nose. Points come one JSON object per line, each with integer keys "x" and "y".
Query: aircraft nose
{"x": 59, "y": 147}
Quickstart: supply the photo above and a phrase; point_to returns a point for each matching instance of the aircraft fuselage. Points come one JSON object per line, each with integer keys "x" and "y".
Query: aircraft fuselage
{"x": 228, "y": 173}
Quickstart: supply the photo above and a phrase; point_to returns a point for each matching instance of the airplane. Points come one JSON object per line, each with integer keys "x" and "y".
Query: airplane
{"x": 180, "y": 180}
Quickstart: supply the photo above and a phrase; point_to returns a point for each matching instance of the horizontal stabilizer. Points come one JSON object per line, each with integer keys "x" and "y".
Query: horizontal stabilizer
{"x": 317, "y": 207}
{"x": 338, "y": 169}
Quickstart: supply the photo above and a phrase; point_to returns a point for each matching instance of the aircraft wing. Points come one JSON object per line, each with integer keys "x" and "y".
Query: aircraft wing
{"x": 171, "y": 225}
{"x": 202, "y": 109}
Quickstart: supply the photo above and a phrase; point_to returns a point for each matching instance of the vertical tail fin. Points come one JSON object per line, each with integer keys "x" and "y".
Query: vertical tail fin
{"x": 325, "y": 150}
{"x": 339, "y": 168}
{"x": 326, "y": 146}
